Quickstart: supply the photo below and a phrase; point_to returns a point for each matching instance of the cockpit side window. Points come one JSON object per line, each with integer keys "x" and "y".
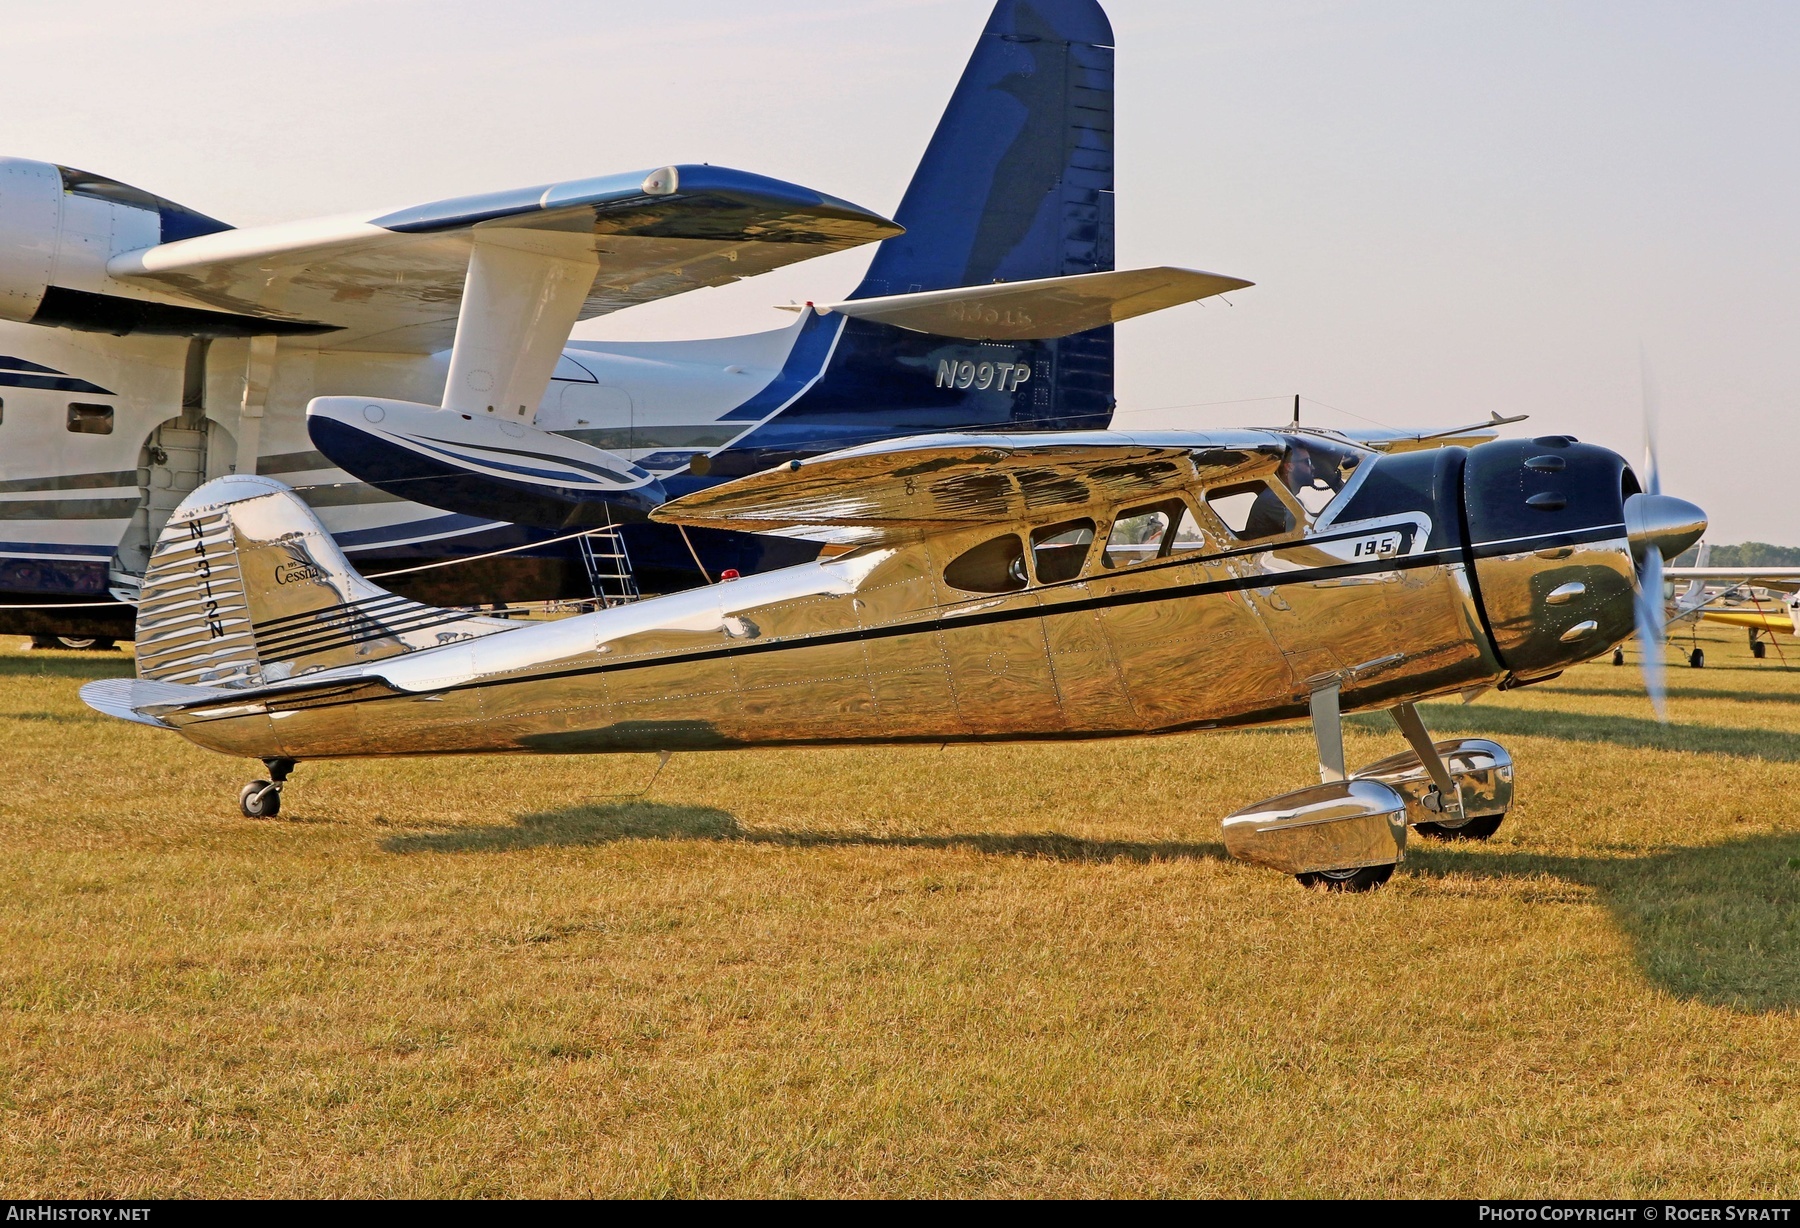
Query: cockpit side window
{"x": 995, "y": 566}
{"x": 1316, "y": 469}
{"x": 1059, "y": 550}
{"x": 1140, "y": 534}
{"x": 1251, "y": 510}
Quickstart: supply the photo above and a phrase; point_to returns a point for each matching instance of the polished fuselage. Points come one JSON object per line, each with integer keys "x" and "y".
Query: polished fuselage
{"x": 874, "y": 646}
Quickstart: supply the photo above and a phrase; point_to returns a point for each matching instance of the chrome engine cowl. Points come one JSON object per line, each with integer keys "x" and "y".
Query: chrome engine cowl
{"x": 1552, "y": 555}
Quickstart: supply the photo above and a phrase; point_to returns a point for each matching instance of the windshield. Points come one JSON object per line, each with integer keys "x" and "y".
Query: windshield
{"x": 1315, "y": 469}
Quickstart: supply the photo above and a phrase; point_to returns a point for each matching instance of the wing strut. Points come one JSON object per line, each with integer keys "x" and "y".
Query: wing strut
{"x": 524, "y": 292}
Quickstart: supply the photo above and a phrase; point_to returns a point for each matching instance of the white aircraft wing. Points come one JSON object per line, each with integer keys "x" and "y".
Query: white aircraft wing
{"x": 395, "y": 282}
{"x": 1041, "y": 308}
{"x": 1786, "y": 579}
{"x": 929, "y": 482}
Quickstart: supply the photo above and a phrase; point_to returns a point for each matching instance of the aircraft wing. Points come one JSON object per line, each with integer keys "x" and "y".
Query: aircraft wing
{"x": 394, "y": 282}
{"x": 1041, "y": 308}
{"x": 930, "y": 482}
{"x": 1761, "y": 577}
{"x": 1385, "y": 440}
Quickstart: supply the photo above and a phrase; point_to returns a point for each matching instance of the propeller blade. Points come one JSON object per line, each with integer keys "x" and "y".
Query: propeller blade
{"x": 1648, "y": 605}
{"x": 1652, "y": 471}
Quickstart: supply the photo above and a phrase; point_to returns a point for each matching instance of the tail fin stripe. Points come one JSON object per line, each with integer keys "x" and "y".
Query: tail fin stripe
{"x": 423, "y": 619}
{"x": 337, "y": 621}
{"x": 276, "y": 624}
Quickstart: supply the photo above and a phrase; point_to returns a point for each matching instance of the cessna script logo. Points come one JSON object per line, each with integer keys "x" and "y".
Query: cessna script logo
{"x": 294, "y": 573}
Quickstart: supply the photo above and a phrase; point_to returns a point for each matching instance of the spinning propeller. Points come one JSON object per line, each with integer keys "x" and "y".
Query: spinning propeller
{"x": 1660, "y": 527}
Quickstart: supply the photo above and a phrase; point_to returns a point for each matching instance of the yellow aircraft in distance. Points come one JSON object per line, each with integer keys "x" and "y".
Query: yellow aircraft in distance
{"x": 1763, "y": 620}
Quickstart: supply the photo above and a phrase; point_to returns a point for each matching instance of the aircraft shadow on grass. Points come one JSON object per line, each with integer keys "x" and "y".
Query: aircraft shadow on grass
{"x": 1718, "y": 924}
{"x": 1636, "y": 732}
{"x": 647, "y": 820}
{"x": 1686, "y": 692}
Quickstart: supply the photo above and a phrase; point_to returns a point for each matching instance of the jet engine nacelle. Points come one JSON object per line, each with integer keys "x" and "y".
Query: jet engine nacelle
{"x": 59, "y": 227}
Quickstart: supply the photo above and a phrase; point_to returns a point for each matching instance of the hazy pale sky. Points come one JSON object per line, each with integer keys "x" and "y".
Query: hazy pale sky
{"x": 1448, "y": 208}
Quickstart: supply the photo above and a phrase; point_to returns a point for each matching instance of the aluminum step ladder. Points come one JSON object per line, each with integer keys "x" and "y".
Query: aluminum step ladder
{"x": 608, "y": 568}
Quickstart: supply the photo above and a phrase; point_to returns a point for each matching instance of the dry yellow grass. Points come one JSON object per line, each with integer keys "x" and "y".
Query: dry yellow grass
{"x": 988, "y": 970}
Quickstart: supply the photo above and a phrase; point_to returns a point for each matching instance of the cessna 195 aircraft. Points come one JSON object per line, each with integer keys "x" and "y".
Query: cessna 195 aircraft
{"x": 1057, "y": 585}
{"x": 145, "y": 347}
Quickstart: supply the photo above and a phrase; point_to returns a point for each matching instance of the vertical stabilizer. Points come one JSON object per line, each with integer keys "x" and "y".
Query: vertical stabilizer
{"x": 1017, "y": 181}
{"x": 1016, "y": 184}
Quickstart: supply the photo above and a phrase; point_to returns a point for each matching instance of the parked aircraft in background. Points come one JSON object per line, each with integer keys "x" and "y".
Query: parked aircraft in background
{"x": 1720, "y": 595}
{"x": 148, "y": 348}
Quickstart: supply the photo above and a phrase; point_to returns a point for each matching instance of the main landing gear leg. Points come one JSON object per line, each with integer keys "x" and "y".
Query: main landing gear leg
{"x": 261, "y": 799}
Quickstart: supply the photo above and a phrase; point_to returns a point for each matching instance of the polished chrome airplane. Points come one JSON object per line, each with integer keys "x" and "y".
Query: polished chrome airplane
{"x": 1073, "y": 585}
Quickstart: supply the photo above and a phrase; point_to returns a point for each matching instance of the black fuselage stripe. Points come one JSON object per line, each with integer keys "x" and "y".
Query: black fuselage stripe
{"x": 951, "y": 622}
{"x": 346, "y": 607}
{"x": 346, "y": 626}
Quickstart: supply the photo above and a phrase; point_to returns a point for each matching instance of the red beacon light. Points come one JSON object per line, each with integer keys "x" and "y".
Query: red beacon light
{"x": 730, "y": 573}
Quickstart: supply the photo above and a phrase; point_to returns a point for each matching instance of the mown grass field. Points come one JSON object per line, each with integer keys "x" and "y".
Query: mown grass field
{"x": 994, "y": 970}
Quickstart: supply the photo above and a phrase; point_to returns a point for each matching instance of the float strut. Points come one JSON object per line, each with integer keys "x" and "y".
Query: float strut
{"x": 1328, "y": 727}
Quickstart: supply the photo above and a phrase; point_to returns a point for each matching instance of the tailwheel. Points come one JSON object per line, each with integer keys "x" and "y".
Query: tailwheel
{"x": 1618, "y": 656}
{"x": 260, "y": 799}
{"x": 1363, "y": 878}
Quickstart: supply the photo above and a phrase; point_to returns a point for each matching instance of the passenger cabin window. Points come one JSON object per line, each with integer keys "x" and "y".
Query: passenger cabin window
{"x": 90, "y": 419}
{"x": 1251, "y": 510}
{"x": 1059, "y": 550}
{"x": 996, "y": 566}
{"x": 1188, "y": 534}
{"x": 1140, "y": 534}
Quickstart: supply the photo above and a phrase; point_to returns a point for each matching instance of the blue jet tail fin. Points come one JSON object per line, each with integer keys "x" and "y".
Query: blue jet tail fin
{"x": 1016, "y": 184}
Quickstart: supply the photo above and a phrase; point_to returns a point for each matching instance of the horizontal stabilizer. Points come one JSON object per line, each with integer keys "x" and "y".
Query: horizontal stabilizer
{"x": 933, "y": 482}
{"x": 1735, "y": 575}
{"x": 394, "y": 282}
{"x": 130, "y": 699}
{"x": 1043, "y": 308}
